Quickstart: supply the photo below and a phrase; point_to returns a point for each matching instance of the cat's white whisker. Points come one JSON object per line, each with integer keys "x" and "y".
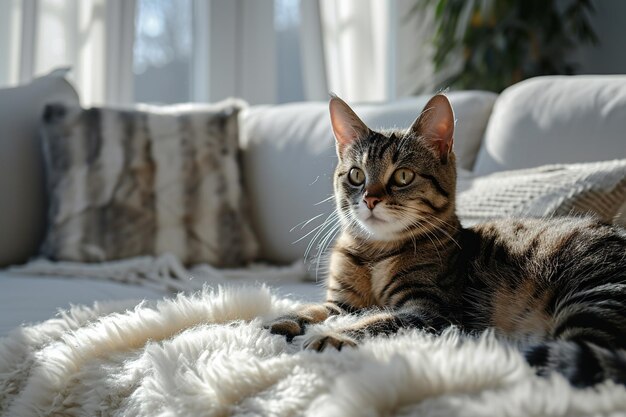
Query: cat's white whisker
{"x": 325, "y": 200}
{"x": 324, "y": 246}
{"x": 329, "y": 221}
{"x": 416, "y": 222}
{"x": 306, "y": 222}
{"x": 316, "y": 228}
{"x": 444, "y": 231}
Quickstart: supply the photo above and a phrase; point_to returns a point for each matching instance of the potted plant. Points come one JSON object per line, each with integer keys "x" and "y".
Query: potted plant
{"x": 502, "y": 42}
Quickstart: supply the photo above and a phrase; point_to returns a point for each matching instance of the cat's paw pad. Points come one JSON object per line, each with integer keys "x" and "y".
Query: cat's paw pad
{"x": 325, "y": 341}
{"x": 288, "y": 326}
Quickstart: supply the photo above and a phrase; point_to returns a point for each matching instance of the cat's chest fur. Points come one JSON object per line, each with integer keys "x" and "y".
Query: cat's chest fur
{"x": 380, "y": 277}
{"x": 357, "y": 276}
{"x": 374, "y": 277}
{"x": 350, "y": 280}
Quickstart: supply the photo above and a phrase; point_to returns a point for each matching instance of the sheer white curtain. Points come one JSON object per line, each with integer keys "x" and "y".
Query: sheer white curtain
{"x": 235, "y": 50}
{"x": 93, "y": 37}
{"x": 234, "y": 47}
{"x": 312, "y": 56}
{"x": 346, "y": 46}
{"x": 360, "y": 48}
{"x": 10, "y": 18}
{"x": 377, "y": 50}
{"x": 363, "y": 50}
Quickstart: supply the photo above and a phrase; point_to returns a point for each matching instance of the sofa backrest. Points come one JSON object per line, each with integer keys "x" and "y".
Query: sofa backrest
{"x": 23, "y": 202}
{"x": 289, "y": 158}
{"x": 557, "y": 119}
{"x": 288, "y": 154}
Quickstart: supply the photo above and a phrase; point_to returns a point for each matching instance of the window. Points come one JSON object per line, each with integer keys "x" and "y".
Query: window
{"x": 165, "y": 50}
{"x": 288, "y": 61}
{"x": 162, "y": 55}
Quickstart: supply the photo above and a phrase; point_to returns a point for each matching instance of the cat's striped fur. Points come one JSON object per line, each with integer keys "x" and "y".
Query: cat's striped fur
{"x": 403, "y": 259}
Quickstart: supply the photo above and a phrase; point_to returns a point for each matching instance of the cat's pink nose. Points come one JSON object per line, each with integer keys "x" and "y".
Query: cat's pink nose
{"x": 371, "y": 201}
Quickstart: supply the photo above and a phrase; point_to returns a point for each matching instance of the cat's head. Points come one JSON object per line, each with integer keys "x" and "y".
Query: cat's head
{"x": 394, "y": 184}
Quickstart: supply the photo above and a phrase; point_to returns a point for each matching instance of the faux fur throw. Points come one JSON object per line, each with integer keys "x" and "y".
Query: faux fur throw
{"x": 146, "y": 181}
{"x": 597, "y": 188}
{"x": 208, "y": 355}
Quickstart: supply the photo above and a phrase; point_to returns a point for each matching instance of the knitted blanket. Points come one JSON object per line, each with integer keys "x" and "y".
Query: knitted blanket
{"x": 208, "y": 354}
{"x": 597, "y": 188}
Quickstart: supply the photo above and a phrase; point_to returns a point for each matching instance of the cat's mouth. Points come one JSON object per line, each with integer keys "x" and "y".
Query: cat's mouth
{"x": 373, "y": 219}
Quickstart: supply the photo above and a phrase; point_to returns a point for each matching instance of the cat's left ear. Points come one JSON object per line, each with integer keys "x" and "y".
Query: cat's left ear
{"x": 436, "y": 125}
{"x": 347, "y": 126}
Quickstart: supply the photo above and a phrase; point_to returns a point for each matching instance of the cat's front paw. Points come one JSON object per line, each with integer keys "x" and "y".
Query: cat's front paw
{"x": 288, "y": 326}
{"x": 321, "y": 342}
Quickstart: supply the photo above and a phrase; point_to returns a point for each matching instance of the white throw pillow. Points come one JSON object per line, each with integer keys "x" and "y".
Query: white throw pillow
{"x": 556, "y": 120}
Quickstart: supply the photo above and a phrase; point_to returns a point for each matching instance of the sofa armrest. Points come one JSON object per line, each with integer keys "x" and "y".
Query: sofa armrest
{"x": 23, "y": 204}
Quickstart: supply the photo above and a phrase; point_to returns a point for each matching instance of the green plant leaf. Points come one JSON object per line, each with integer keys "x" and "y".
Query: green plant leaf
{"x": 505, "y": 41}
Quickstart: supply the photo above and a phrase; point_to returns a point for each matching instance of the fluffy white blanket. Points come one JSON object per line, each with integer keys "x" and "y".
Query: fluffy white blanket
{"x": 208, "y": 354}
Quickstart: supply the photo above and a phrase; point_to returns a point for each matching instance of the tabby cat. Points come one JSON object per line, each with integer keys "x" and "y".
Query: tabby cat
{"x": 403, "y": 260}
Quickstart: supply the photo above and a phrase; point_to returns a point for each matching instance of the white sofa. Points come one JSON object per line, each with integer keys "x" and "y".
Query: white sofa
{"x": 287, "y": 161}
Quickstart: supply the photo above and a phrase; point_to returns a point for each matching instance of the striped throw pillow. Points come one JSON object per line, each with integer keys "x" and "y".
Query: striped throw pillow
{"x": 146, "y": 181}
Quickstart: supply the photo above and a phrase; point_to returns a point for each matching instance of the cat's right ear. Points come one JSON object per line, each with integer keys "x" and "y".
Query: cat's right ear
{"x": 436, "y": 125}
{"x": 347, "y": 127}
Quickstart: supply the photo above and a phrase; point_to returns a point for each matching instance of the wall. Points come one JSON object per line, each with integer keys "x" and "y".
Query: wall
{"x": 414, "y": 69}
{"x": 415, "y": 72}
{"x": 609, "y": 57}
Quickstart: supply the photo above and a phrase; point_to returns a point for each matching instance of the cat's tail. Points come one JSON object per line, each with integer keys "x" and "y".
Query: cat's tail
{"x": 582, "y": 363}
{"x": 587, "y": 337}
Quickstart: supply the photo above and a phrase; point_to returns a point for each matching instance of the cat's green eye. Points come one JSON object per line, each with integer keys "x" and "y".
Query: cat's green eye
{"x": 356, "y": 176}
{"x": 403, "y": 176}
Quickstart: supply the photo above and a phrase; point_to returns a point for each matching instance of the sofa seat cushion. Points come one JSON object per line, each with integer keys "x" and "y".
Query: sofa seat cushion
{"x": 289, "y": 158}
{"x": 556, "y": 120}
